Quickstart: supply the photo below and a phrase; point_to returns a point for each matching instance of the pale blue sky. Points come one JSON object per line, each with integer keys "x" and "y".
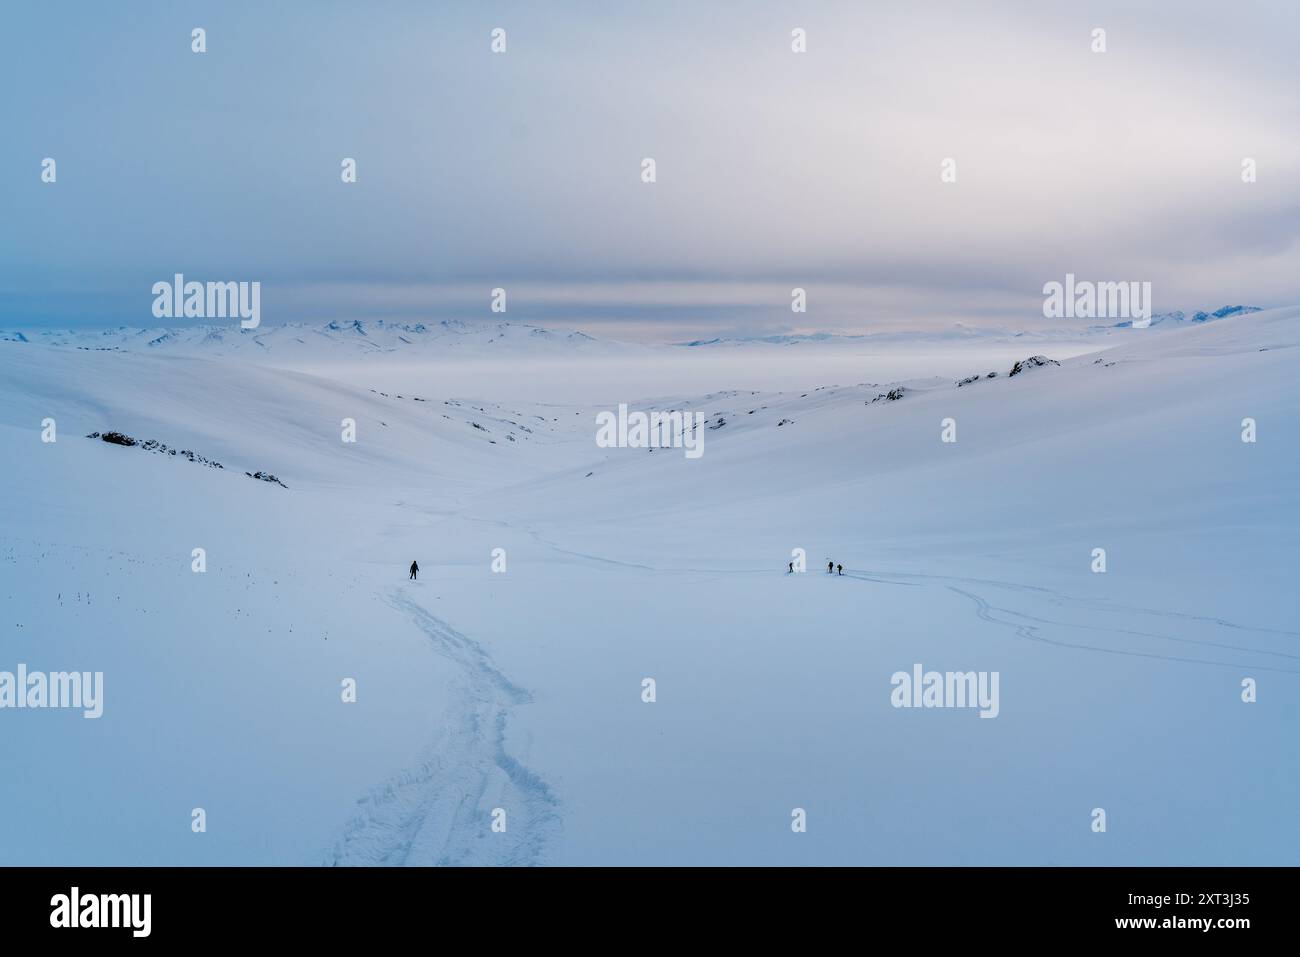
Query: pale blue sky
{"x": 521, "y": 170}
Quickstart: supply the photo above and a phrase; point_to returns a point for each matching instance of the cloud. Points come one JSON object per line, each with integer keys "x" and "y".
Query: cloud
{"x": 775, "y": 169}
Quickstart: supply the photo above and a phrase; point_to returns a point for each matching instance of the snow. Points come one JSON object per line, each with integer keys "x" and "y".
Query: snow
{"x": 522, "y": 690}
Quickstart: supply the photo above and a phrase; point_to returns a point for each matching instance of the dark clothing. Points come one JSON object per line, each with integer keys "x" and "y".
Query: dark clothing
{"x": 830, "y": 567}
{"x": 841, "y": 568}
{"x": 414, "y": 569}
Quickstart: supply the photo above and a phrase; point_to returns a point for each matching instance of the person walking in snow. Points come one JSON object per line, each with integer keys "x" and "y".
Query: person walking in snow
{"x": 830, "y": 567}
{"x": 415, "y": 570}
{"x": 841, "y": 568}
{"x": 792, "y": 568}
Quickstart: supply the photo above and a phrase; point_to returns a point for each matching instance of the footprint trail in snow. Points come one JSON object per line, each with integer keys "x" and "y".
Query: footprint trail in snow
{"x": 440, "y": 811}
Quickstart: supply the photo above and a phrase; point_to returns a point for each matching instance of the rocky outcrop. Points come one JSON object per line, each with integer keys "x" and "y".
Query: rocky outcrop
{"x": 893, "y": 395}
{"x": 154, "y": 446}
{"x": 266, "y": 477}
{"x": 1033, "y": 362}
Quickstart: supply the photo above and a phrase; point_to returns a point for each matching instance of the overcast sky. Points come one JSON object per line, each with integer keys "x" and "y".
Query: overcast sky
{"x": 522, "y": 170}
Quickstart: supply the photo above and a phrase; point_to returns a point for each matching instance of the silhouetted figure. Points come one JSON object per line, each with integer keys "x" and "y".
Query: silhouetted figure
{"x": 841, "y": 568}
{"x": 792, "y": 568}
{"x": 415, "y": 570}
{"x": 830, "y": 567}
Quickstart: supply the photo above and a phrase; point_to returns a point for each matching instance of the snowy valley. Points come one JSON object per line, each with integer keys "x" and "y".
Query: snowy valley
{"x": 557, "y": 576}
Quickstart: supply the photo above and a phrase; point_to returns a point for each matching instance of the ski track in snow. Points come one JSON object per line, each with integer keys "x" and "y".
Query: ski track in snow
{"x": 439, "y": 812}
{"x": 1027, "y": 628}
{"x": 984, "y": 611}
{"x": 1027, "y": 625}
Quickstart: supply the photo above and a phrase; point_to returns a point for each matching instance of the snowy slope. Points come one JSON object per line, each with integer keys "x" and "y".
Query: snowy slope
{"x": 522, "y": 690}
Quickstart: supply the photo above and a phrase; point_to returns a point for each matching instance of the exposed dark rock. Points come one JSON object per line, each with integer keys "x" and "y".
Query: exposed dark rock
{"x": 154, "y": 446}
{"x": 266, "y": 477}
{"x": 1033, "y": 362}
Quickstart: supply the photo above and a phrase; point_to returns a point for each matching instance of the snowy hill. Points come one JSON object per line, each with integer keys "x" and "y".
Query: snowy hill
{"x": 518, "y": 686}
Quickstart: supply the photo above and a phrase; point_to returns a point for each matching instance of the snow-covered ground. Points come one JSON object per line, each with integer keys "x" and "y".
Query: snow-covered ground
{"x": 522, "y": 690}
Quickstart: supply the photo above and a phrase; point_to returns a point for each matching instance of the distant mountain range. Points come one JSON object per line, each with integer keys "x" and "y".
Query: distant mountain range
{"x": 346, "y": 340}
{"x": 1051, "y": 329}
{"x": 1174, "y": 318}
{"x": 331, "y": 340}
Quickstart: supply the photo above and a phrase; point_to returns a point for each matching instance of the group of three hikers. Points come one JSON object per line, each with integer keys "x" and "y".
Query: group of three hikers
{"x": 830, "y": 568}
